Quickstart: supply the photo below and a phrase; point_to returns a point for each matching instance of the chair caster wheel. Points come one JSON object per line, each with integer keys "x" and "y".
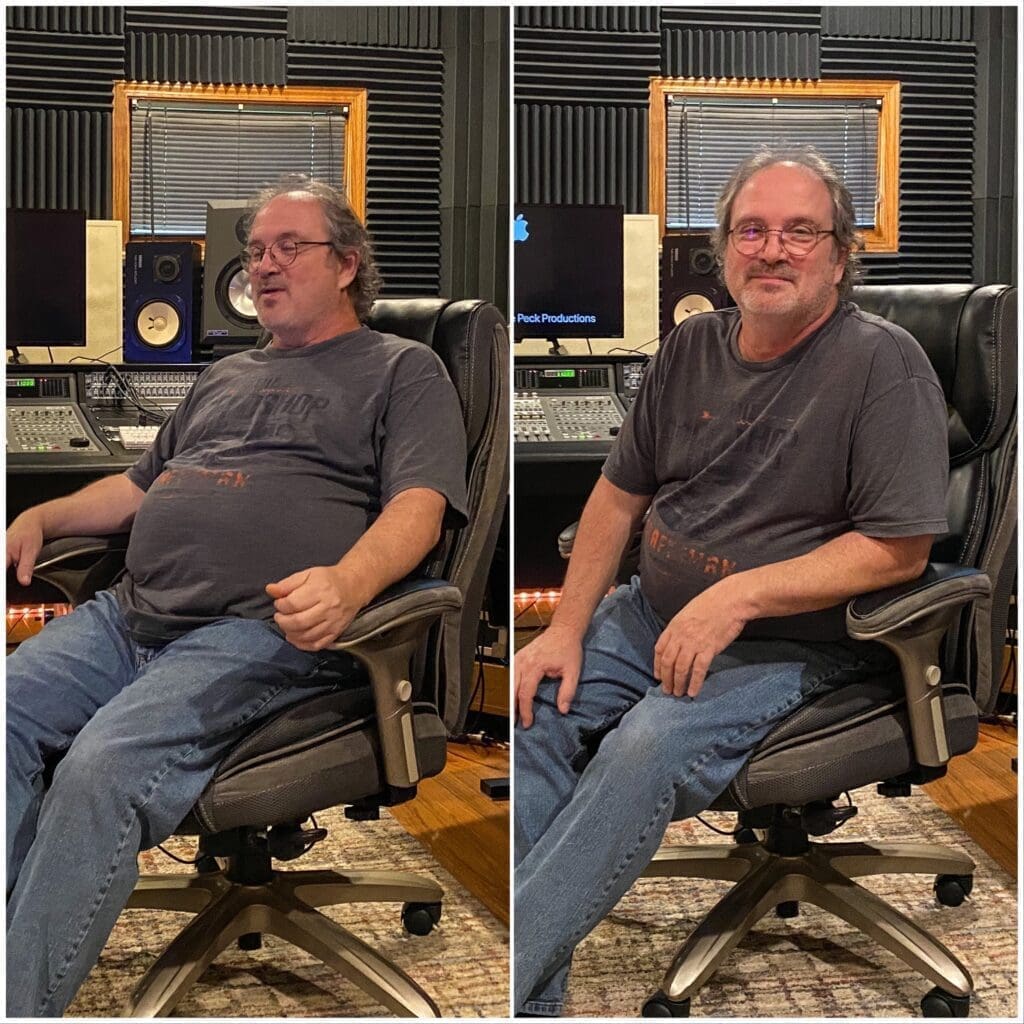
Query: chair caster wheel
{"x": 250, "y": 941}
{"x": 745, "y": 836}
{"x": 659, "y": 1005}
{"x": 952, "y": 890}
{"x": 788, "y": 908}
{"x": 939, "y": 1003}
{"x": 420, "y": 918}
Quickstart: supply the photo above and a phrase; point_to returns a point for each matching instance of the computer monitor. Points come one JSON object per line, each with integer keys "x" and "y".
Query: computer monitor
{"x": 568, "y": 272}
{"x": 45, "y": 277}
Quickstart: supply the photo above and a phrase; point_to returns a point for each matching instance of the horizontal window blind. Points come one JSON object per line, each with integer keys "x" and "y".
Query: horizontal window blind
{"x": 184, "y": 154}
{"x": 708, "y": 138}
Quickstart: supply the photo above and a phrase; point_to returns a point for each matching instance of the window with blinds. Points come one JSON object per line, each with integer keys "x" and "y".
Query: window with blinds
{"x": 183, "y": 154}
{"x": 700, "y": 130}
{"x": 707, "y": 138}
{"x": 175, "y": 147}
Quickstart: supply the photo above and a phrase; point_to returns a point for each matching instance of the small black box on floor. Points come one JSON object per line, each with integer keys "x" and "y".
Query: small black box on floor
{"x": 496, "y": 789}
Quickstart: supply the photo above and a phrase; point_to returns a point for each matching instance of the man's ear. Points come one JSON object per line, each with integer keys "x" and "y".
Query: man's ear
{"x": 842, "y": 257}
{"x": 348, "y": 267}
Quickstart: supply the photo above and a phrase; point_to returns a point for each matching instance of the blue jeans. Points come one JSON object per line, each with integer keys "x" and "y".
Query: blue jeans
{"x": 141, "y": 731}
{"x": 588, "y": 823}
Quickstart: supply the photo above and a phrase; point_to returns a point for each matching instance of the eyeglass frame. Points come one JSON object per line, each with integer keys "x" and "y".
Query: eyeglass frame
{"x": 818, "y": 233}
{"x": 249, "y": 261}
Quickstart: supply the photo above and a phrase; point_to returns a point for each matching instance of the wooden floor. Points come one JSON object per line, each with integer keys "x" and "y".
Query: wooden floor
{"x": 980, "y": 792}
{"x": 464, "y": 829}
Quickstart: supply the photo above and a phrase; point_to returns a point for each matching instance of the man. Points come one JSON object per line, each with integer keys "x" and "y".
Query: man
{"x": 789, "y": 454}
{"x": 291, "y": 486}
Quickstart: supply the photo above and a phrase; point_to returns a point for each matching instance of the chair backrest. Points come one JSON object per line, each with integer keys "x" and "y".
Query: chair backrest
{"x": 970, "y": 335}
{"x": 472, "y": 340}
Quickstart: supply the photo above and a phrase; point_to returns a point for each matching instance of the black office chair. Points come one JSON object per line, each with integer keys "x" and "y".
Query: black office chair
{"x": 947, "y": 629}
{"x": 362, "y": 747}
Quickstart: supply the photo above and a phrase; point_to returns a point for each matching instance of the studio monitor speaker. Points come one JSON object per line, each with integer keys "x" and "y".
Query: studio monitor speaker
{"x": 689, "y": 279}
{"x": 229, "y": 314}
{"x": 160, "y": 301}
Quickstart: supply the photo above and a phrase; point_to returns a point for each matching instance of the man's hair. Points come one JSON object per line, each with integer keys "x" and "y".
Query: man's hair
{"x": 346, "y": 232}
{"x": 844, "y": 220}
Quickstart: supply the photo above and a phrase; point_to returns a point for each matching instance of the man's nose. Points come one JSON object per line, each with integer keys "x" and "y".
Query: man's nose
{"x": 265, "y": 261}
{"x": 773, "y": 248}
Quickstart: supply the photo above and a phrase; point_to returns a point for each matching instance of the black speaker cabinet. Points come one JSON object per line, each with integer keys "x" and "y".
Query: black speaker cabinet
{"x": 689, "y": 279}
{"x": 229, "y": 314}
{"x": 160, "y": 301}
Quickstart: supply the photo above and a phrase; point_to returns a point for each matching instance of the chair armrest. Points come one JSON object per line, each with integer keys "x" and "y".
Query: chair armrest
{"x": 384, "y": 636}
{"x": 911, "y": 619}
{"x": 55, "y": 564}
{"x": 566, "y": 539}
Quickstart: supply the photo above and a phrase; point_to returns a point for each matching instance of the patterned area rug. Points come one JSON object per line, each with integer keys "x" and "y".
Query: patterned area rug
{"x": 813, "y": 966}
{"x": 462, "y": 964}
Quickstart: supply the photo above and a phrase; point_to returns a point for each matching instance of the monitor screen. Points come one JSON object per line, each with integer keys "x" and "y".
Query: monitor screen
{"x": 568, "y": 272}
{"x": 45, "y": 277}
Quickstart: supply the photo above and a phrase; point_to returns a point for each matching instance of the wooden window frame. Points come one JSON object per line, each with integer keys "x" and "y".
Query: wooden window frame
{"x": 355, "y": 128}
{"x": 884, "y": 236}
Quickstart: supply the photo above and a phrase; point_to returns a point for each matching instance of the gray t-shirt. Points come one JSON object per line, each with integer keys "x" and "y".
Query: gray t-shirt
{"x": 752, "y": 463}
{"x": 279, "y": 460}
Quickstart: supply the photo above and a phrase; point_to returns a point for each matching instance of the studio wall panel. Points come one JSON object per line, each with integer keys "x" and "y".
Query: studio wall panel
{"x": 47, "y": 69}
{"x": 749, "y": 53}
{"x": 59, "y": 159}
{"x": 590, "y": 19}
{"x": 604, "y": 67}
{"x": 241, "y": 20}
{"x": 102, "y": 21}
{"x": 950, "y": 23}
{"x": 209, "y": 59}
{"x": 366, "y": 26}
{"x": 474, "y": 177}
{"x": 570, "y": 154}
{"x": 995, "y": 148}
{"x": 779, "y": 19}
{"x": 405, "y": 97}
{"x": 936, "y": 151}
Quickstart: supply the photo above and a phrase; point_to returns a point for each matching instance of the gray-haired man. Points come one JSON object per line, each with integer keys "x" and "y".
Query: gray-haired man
{"x": 291, "y": 486}
{"x": 789, "y": 454}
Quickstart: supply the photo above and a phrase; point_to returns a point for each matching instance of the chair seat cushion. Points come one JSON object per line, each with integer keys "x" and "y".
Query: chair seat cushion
{"x": 841, "y": 739}
{"x": 318, "y": 753}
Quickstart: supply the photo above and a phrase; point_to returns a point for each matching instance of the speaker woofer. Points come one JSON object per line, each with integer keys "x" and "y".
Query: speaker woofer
{"x": 158, "y": 324}
{"x": 233, "y": 293}
{"x": 688, "y": 305}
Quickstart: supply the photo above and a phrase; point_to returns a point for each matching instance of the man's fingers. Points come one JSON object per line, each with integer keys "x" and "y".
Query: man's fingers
{"x": 526, "y": 690}
{"x": 26, "y": 563}
{"x": 282, "y": 588}
{"x": 567, "y": 690}
{"x": 698, "y": 673}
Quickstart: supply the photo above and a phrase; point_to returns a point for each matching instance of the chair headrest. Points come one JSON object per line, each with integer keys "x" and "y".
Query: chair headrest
{"x": 970, "y": 335}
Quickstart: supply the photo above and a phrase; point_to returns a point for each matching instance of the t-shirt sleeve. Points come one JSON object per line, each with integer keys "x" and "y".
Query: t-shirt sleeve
{"x": 900, "y": 462}
{"x": 424, "y": 438}
{"x": 631, "y": 465}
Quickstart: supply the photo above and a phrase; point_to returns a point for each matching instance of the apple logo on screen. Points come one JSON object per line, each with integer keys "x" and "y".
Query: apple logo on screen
{"x": 520, "y": 229}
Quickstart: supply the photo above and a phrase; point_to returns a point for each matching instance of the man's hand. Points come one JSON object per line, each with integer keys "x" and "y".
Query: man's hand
{"x": 697, "y": 633}
{"x": 24, "y": 539}
{"x": 558, "y": 653}
{"x": 313, "y": 607}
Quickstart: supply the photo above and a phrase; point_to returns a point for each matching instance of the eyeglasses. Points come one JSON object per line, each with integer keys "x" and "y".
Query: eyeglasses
{"x": 284, "y": 253}
{"x": 799, "y": 240}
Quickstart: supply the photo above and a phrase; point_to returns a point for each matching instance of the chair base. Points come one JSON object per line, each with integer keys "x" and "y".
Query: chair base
{"x": 284, "y": 906}
{"x": 821, "y": 874}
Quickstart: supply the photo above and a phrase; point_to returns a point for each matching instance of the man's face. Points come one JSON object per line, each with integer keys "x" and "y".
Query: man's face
{"x": 773, "y": 282}
{"x": 298, "y": 298}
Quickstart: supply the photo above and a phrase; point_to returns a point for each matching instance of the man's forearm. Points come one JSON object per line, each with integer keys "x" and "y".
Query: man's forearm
{"x": 608, "y": 521}
{"x": 401, "y": 537}
{"x": 850, "y": 564}
{"x": 106, "y": 506}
